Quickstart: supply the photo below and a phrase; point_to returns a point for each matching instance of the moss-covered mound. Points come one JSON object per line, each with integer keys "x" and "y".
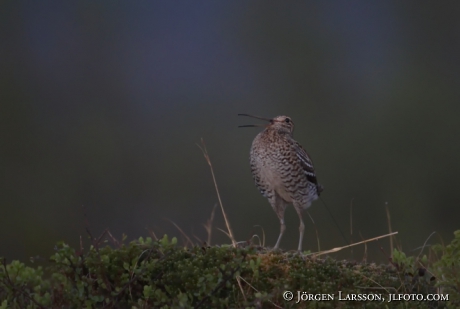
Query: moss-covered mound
{"x": 161, "y": 274}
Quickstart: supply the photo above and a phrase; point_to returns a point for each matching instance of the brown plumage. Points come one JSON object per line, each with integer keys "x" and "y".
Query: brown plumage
{"x": 283, "y": 171}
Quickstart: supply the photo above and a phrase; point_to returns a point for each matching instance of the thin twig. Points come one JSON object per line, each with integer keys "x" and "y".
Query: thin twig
{"x": 113, "y": 239}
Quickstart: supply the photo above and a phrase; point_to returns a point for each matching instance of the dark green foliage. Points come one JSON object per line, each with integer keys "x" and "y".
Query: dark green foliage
{"x": 449, "y": 267}
{"x": 160, "y": 274}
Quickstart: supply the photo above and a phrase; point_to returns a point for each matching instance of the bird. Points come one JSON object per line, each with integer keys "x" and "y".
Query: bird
{"x": 283, "y": 171}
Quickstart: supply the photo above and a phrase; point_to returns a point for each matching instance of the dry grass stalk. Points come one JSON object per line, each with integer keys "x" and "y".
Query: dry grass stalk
{"x": 389, "y": 229}
{"x": 208, "y": 225}
{"x": 227, "y": 223}
{"x": 348, "y": 246}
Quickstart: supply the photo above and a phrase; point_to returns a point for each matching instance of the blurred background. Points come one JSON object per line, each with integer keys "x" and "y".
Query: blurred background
{"x": 102, "y": 105}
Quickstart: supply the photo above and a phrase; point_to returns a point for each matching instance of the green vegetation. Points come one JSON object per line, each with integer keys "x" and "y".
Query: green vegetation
{"x": 161, "y": 274}
{"x": 448, "y": 269}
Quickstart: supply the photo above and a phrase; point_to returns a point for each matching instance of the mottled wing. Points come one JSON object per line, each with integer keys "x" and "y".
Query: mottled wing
{"x": 255, "y": 170}
{"x": 307, "y": 165}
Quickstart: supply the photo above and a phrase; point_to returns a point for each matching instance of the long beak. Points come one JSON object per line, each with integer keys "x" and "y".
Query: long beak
{"x": 257, "y": 117}
{"x": 251, "y": 125}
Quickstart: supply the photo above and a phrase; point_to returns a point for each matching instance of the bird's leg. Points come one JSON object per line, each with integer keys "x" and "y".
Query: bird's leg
{"x": 282, "y": 229}
{"x": 279, "y": 206}
{"x": 301, "y": 227}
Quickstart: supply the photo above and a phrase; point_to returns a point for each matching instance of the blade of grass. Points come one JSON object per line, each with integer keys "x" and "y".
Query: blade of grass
{"x": 263, "y": 234}
{"x": 424, "y": 245}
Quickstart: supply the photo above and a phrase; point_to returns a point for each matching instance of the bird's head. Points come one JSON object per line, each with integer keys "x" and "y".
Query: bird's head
{"x": 282, "y": 124}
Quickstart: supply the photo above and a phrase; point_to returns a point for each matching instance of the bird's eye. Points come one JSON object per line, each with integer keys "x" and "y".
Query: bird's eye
{"x": 287, "y": 120}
